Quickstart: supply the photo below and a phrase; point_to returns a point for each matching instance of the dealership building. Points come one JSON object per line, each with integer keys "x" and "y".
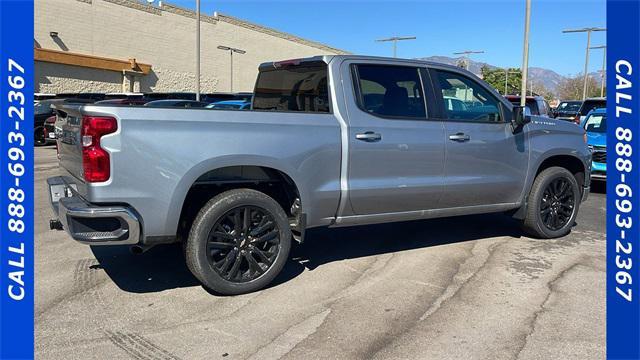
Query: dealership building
{"x": 133, "y": 46}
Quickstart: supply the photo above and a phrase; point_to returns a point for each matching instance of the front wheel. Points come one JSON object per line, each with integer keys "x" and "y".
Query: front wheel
{"x": 239, "y": 242}
{"x": 552, "y": 204}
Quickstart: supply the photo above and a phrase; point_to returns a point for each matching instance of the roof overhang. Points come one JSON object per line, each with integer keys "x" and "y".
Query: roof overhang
{"x": 90, "y": 61}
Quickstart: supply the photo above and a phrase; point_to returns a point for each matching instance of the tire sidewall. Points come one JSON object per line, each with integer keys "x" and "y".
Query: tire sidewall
{"x": 209, "y": 215}
{"x": 38, "y": 134}
{"x": 547, "y": 177}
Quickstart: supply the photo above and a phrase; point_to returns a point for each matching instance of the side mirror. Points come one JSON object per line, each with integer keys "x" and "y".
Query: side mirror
{"x": 521, "y": 116}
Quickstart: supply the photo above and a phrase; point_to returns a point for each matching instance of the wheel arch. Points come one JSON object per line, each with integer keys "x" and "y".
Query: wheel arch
{"x": 565, "y": 160}
{"x": 214, "y": 176}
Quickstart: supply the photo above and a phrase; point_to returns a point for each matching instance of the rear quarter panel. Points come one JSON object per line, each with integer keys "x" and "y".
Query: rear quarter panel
{"x": 158, "y": 153}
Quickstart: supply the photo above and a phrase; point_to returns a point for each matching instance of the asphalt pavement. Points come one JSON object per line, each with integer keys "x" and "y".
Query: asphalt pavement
{"x": 469, "y": 287}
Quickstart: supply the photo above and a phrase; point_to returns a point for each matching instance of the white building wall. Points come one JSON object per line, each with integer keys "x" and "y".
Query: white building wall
{"x": 163, "y": 37}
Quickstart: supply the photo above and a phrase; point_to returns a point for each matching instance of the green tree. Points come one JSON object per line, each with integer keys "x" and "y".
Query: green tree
{"x": 496, "y": 78}
{"x": 571, "y": 88}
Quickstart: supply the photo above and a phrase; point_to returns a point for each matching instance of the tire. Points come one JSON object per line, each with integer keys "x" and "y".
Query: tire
{"x": 220, "y": 257}
{"x": 555, "y": 194}
{"x": 38, "y": 136}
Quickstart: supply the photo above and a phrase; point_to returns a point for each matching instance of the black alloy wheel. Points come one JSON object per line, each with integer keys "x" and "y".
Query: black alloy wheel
{"x": 557, "y": 204}
{"x": 243, "y": 244}
{"x": 239, "y": 242}
{"x": 552, "y": 204}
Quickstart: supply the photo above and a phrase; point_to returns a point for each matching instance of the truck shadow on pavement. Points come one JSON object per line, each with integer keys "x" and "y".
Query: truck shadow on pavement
{"x": 163, "y": 267}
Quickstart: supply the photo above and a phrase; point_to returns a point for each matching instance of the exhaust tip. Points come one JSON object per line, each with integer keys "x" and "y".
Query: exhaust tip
{"x": 55, "y": 224}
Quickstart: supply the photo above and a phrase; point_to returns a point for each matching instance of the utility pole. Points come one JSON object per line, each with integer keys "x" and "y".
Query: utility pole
{"x": 586, "y": 60}
{"x": 231, "y": 51}
{"x": 466, "y": 54}
{"x": 395, "y": 40}
{"x": 525, "y": 54}
{"x": 602, "y": 71}
{"x": 197, "y": 50}
{"x": 507, "y": 71}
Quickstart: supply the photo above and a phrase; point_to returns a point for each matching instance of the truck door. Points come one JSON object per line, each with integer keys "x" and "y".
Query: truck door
{"x": 396, "y": 149}
{"x": 486, "y": 163}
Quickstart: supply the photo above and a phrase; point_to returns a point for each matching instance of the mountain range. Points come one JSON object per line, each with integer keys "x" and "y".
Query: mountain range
{"x": 549, "y": 78}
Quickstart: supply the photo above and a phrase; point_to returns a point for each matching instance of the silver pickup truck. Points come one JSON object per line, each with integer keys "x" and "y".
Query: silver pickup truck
{"x": 329, "y": 141}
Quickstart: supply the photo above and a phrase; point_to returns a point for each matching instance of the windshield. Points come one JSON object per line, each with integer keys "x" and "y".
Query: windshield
{"x": 596, "y": 123}
{"x": 569, "y": 106}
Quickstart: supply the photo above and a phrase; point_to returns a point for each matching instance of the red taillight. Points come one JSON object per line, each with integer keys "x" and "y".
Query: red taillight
{"x": 95, "y": 160}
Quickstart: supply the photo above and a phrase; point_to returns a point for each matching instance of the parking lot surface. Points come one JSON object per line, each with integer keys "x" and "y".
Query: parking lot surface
{"x": 459, "y": 288}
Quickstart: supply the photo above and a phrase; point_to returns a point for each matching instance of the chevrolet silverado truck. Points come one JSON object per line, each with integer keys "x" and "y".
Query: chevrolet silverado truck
{"x": 329, "y": 141}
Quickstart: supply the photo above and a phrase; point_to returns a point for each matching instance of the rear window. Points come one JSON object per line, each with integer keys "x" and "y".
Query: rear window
{"x": 298, "y": 88}
{"x": 532, "y": 104}
{"x": 592, "y": 104}
{"x": 568, "y": 107}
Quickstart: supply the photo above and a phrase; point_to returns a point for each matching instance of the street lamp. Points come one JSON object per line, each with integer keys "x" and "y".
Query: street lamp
{"x": 197, "y": 45}
{"x": 395, "y": 40}
{"x": 197, "y": 50}
{"x": 586, "y": 61}
{"x": 604, "y": 61}
{"x": 231, "y": 51}
{"x": 525, "y": 54}
{"x": 466, "y": 54}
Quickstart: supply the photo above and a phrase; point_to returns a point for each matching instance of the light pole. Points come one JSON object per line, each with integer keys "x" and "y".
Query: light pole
{"x": 231, "y": 51}
{"x": 586, "y": 60}
{"x": 197, "y": 50}
{"x": 525, "y": 54}
{"x": 197, "y": 45}
{"x": 602, "y": 72}
{"x": 466, "y": 54}
{"x": 507, "y": 71}
{"x": 395, "y": 40}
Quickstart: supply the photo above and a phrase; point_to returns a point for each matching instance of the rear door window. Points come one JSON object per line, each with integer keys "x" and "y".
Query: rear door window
{"x": 294, "y": 88}
{"x": 390, "y": 91}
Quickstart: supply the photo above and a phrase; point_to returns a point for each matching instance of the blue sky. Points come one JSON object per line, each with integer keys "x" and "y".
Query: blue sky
{"x": 442, "y": 27}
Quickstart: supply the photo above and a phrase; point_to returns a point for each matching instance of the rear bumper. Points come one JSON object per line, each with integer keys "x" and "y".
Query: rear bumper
{"x": 89, "y": 223}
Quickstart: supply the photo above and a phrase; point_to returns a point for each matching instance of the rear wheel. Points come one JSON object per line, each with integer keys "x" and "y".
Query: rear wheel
{"x": 239, "y": 242}
{"x": 552, "y": 204}
{"x": 39, "y": 137}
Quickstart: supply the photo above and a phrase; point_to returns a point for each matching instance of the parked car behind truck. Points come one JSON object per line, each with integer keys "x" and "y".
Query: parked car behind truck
{"x": 595, "y": 124}
{"x": 330, "y": 141}
{"x": 567, "y": 110}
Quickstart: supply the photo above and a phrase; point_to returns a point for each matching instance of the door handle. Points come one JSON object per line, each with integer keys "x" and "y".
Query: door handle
{"x": 369, "y": 136}
{"x": 460, "y": 137}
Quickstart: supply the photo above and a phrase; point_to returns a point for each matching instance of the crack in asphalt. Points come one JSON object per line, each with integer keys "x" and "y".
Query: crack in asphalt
{"x": 379, "y": 264}
{"x": 290, "y": 338}
{"x": 460, "y": 280}
{"x": 446, "y": 295}
{"x": 536, "y": 314}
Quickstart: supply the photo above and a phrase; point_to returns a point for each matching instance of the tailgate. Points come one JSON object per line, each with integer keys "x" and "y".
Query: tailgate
{"x": 68, "y": 126}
